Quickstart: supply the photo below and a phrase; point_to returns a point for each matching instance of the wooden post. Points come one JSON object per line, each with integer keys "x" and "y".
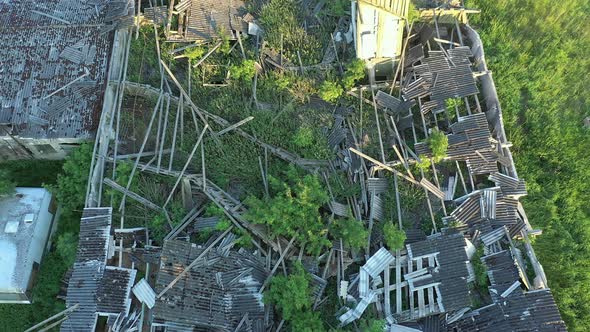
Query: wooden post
{"x": 64, "y": 312}
{"x": 190, "y": 157}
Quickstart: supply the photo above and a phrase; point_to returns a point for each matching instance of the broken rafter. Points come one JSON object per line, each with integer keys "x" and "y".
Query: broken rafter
{"x": 65, "y": 312}
{"x": 383, "y": 166}
{"x": 190, "y": 157}
{"x": 131, "y": 194}
{"x": 194, "y": 262}
{"x": 234, "y": 126}
{"x": 186, "y": 96}
{"x": 86, "y": 73}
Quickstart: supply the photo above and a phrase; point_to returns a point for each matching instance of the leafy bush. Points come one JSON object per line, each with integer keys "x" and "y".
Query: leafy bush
{"x": 351, "y": 231}
{"x": 393, "y": 236}
{"x": 423, "y": 163}
{"x": 245, "y": 70}
{"x": 330, "y": 91}
{"x": 452, "y": 103}
{"x": 355, "y": 71}
{"x": 294, "y": 211}
{"x": 70, "y": 189}
{"x": 438, "y": 143}
{"x": 194, "y": 53}
{"x": 292, "y": 297}
{"x": 304, "y": 136}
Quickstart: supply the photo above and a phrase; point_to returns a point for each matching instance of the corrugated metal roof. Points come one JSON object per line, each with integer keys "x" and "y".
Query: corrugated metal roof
{"x": 39, "y": 57}
{"x": 378, "y": 262}
{"x": 144, "y": 293}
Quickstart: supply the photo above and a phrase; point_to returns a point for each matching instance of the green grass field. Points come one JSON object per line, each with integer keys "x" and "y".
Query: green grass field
{"x": 539, "y": 52}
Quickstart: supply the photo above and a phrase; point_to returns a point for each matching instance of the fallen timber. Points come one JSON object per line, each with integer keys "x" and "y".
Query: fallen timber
{"x": 232, "y": 208}
{"x": 307, "y": 164}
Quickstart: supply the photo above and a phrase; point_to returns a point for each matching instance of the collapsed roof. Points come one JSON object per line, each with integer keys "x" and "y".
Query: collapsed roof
{"x": 97, "y": 289}
{"x": 54, "y": 59}
{"x": 217, "y": 294}
{"x": 201, "y": 20}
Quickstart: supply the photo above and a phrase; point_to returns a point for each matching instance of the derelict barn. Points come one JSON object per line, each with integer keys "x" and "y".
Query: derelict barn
{"x": 424, "y": 286}
{"x": 54, "y": 60}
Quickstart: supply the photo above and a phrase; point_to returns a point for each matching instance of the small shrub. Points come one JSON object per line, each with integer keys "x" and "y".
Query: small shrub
{"x": 355, "y": 71}
{"x": 393, "y": 236}
{"x": 330, "y": 91}
{"x": 223, "y": 224}
{"x": 304, "y": 137}
{"x": 423, "y": 163}
{"x": 243, "y": 71}
{"x": 438, "y": 143}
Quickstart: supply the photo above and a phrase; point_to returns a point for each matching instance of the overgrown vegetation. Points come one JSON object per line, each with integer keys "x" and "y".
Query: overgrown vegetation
{"x": 538, "y": 51}
{"x": 281, "y": 20}
{"x": 479, "y": 269}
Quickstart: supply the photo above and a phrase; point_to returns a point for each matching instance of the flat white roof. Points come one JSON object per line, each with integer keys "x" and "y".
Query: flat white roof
{"x": 25, "y": 223}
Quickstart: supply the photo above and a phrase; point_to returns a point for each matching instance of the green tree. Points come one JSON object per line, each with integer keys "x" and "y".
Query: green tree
{"x": 351, "y": 231}
{"x": 393, "y": 236}
{"x": 294, "y": 210}
{"x": 330, "y": 91}
{"x": 67, "y": 246}
{"x": 438, "y": 143}
{"x": 6, "y": 184}
{"x": 292, "y": 297}
{"x": 70, "y": 189}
